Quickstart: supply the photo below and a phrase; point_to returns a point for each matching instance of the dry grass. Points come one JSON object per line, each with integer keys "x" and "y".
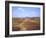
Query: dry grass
{"x": 19, "y": 24}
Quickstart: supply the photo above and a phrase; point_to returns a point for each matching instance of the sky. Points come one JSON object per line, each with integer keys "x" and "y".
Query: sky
{"x": 25, "y": 12}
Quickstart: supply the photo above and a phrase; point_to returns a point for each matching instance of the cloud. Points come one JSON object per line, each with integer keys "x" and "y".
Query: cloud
{"x": 21, "y": 9}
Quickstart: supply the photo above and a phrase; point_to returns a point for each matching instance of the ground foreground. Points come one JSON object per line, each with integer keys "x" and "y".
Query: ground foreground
{"x": 23, "y": 24}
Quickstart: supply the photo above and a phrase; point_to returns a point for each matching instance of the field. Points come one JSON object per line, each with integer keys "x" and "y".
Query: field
{"x": 23, "y": 24}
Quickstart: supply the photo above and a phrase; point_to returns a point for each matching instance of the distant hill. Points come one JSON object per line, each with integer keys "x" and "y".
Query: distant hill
{"x": 34, "y": 18}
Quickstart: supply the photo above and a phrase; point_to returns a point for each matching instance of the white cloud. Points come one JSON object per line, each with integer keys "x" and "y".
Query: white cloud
{"x": 21, "y": 9}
